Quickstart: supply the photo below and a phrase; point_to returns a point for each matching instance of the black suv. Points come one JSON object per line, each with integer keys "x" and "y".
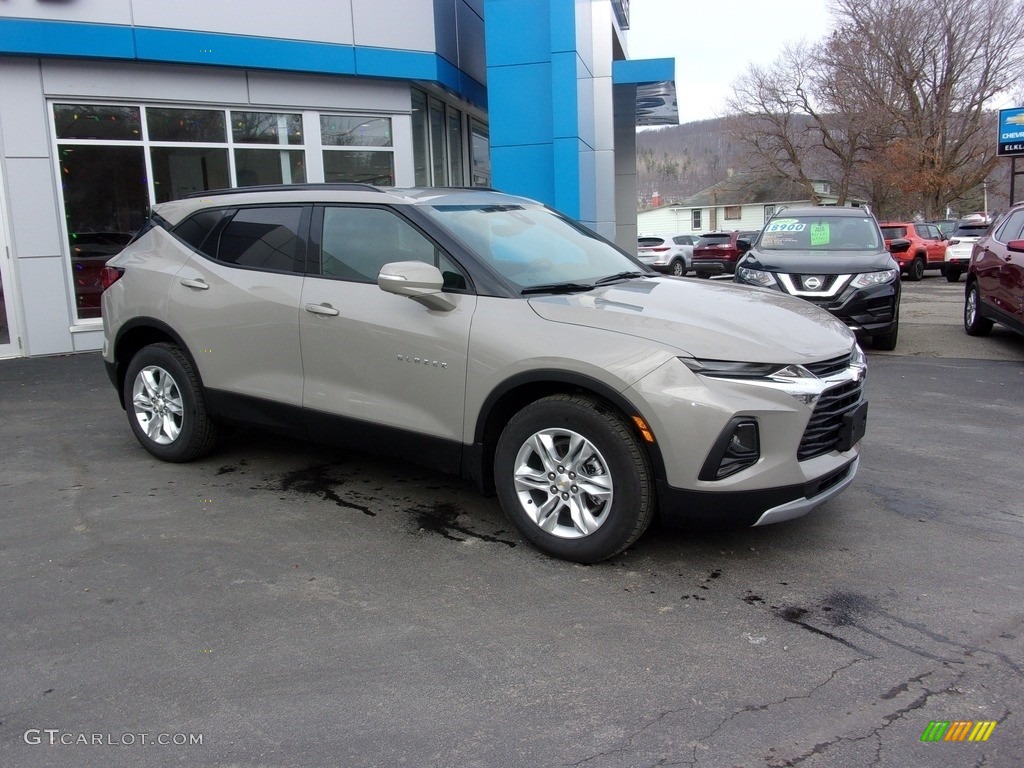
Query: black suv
{"x": 835, "y": 258}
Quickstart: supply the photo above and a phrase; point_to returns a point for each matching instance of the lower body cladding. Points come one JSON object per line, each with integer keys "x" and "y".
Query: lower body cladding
{"x": 708, "y": 267}
{"x": 801, "y": 452}
{"x": 870, "y": 311}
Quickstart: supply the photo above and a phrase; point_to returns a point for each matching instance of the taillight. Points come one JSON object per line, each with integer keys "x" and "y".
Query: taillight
{"x": 109, "y": 276}
{"x": 659, "y": 250}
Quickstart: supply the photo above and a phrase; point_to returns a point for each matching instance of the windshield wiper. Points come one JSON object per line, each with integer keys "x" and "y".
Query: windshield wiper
{"x": 557, "y": 288}
{"x": 619, "y": 276}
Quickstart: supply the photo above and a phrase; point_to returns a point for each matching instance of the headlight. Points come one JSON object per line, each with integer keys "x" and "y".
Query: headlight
{"x": 756, "y": 277}
{"x": 728, "y": 369}
{"x": 869, "y": 279}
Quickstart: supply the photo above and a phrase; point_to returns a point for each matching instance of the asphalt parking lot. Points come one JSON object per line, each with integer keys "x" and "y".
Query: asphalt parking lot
{"x": 285, "y": 604}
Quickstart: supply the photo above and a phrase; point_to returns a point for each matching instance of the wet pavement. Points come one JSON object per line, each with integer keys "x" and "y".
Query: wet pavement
{"x": 287, "y": 604}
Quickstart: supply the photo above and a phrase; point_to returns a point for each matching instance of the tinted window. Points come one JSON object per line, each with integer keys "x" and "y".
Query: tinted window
{"x": 891, "y": 233}
{"x": 357, "y": 242}
{"x": 712, "y": 240}
{"x": 196, "y": 229}
{"x": 970, "y": 230}
{"x": 264, "y": 238}
{"x": 650, "y": 242}
{"x": 1012, "y": 228}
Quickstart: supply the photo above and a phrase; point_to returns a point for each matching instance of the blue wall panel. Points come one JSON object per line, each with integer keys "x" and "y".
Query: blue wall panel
{"x": 65, "y": 38}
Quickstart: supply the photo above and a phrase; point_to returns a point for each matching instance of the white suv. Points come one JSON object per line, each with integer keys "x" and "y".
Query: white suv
{"x": 960, "y": 245}
{"x": 672, "y": 254}
{"x": 486, "y": 335}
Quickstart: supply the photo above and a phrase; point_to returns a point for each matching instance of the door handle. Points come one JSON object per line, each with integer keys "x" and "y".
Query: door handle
{"x": 198, "y": 283}
{"x": 322, "y": 309}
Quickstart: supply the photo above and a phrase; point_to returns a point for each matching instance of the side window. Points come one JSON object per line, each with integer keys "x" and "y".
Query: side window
{"x": 357, "y": 242}
{"x": 1012, "y": 228}
{"x": 196, "y": 230}
{"x": 263, "y": 238}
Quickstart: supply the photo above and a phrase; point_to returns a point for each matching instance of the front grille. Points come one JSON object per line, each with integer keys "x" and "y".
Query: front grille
{"x": 827, "y": 368}
{"x": 823, "y": 430}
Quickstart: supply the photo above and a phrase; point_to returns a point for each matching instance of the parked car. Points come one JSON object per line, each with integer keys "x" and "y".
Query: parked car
{"x": 995, "y": 277}
{"x": 927, "y": 246}
{"x": 834, "y": 258}
{"x": 945, "y": 226}
{"x": 960, "y": 246}
{"x": 89, "y": 254}
{"x": 486, "y": 335}
{"x": 671, "y": 254}
{"x": 716, "y": 253}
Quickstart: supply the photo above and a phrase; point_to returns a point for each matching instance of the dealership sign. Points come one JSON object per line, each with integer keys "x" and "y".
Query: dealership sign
{"x": 1011, "y": 131}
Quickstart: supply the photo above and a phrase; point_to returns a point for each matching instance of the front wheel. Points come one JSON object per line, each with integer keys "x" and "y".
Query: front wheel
{"x": 974, "y": 323}
{"x": 165, "y": 405}
{"x": 952, "y": 274}
{"x": 573, "y": 478}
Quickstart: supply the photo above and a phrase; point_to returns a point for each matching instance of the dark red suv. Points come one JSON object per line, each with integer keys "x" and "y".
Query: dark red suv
{"x": 716, "y": 253}
{"x": 995, "y": 277}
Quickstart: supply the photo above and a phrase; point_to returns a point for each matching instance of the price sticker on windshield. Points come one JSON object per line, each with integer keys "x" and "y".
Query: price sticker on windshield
{"x": 820, "y": 234}
{"x": 785, "y": 225}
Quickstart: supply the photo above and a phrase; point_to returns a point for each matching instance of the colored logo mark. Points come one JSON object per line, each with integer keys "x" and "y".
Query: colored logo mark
{"x": 1015, "y": 120}
{"x": 958, "y": 730}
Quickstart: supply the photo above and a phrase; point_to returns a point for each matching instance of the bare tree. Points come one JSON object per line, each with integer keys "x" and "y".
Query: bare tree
{"x": 895, "y": 104}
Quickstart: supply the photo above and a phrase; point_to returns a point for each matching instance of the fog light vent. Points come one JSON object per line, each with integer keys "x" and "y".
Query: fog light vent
{"x": 738, "y": 447}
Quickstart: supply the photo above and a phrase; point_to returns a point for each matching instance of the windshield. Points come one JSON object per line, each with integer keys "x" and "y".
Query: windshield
{"x": 532, "y": 245}
{"x": 821, "y": 232}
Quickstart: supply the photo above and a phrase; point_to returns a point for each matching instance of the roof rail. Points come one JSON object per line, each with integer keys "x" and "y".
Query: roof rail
{"x": 340, "y": 186}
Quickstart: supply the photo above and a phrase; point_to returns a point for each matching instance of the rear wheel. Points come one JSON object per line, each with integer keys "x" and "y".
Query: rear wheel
{"x": 678, "y": 268}
{"x": 165, "y": 405}
{"x": 573, "y": 478}
{"x": 974, "y": 323}
{"x": 915, "y": 271}
{"x": 952, "y": 274}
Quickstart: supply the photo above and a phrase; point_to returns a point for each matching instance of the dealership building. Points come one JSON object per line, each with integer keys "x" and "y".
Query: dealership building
{"x": 110, "y": 106}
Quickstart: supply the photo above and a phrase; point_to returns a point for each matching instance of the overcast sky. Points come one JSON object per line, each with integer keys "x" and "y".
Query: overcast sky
{"x": 713, "y": 41}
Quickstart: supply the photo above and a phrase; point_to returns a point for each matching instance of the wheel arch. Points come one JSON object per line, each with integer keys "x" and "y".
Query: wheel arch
{"x": 517, "y": 392}
{"x": 138, "y": 333}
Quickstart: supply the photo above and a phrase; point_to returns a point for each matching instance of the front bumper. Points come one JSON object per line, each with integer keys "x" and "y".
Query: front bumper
{"x": 744, "y": 509}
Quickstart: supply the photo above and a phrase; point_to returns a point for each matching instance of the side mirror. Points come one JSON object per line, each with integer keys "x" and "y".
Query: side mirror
{"x": 742, "y": 244}
{"x": 899, "y": 245}
{"x": 418, "y": 281}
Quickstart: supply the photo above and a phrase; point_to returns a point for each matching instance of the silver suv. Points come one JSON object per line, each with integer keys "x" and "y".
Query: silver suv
{"x": 489, "y": 336}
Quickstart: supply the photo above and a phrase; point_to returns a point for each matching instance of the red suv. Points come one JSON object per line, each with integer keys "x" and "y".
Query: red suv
{"x": 995, "y": 277}
{"x": 716, "y": 253}
{"x": 927, "y": 246}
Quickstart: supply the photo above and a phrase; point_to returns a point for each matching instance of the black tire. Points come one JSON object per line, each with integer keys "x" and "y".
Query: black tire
{"x": 953, "y": 274}
{"x": 610, "y": 460}
{"x": 887, "y": 342}
{"x": 165, "y": 405}
{"x": 704, "y": 275}
{"x": 974, "y": 323}
{"x": 915, "y": 271}
{"x": 677, "y": 268}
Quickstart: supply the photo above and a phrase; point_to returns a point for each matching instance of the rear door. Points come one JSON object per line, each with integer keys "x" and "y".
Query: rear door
{"x": 236, "y": 301}
{"x": 372, "y": 356}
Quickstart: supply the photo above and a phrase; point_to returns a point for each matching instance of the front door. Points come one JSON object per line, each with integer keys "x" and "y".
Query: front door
{"x": 374, "y": 357}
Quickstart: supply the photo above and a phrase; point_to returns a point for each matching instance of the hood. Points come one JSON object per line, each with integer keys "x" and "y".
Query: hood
{"x": 819, "y": 263}
{"x": 705, "y": 319}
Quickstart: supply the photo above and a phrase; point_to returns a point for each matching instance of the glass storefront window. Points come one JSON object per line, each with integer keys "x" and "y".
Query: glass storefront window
{"x": 268, "y": 166}
{"x": 438, "y": 150}
{"x": 180, "y": 171}
{"x": 365, "y": 167}
{"x": 480, "y": 154}
{"x": 105, "y": 202}
{"x": 91, "y": 121}
{"x": 455, "y": 146}
{"x": 341, "y": 131}
{"x": 192, "y": 125}
{"x": 266, "y": 128}
{"x": 419, "y": 137}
